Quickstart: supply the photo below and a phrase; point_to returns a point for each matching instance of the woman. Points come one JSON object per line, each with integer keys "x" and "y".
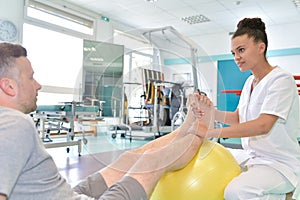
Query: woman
{"x": 266, "y": 120}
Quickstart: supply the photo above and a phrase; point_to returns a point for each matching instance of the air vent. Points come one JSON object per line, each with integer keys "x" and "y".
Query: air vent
{"x": 196, "y": 19}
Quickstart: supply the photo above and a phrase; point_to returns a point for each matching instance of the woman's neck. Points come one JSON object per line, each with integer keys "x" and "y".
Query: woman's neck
{"x": 261, "y": 72}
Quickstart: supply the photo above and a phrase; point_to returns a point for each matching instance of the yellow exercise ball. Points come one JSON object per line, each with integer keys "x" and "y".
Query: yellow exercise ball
{"x": 204, "y": 178}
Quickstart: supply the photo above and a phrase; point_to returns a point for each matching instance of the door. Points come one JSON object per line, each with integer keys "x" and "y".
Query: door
{"x": 230, "y": 79}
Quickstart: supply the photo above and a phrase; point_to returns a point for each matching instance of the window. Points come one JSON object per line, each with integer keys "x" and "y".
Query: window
{"x": 53, "y": 34}
{"x": 62, "y": 17}
{"x": 56, "y": 59}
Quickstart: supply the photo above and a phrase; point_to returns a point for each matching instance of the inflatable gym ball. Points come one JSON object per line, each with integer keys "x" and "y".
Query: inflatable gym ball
{"x": 204, "y": 178}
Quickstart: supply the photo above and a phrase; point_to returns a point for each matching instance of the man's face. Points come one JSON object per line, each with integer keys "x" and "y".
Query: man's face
{"x": 27, "y": 86}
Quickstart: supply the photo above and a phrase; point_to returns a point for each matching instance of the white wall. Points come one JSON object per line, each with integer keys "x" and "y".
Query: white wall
{"x": 214, "y": 44}
{"x": 280, "y": 37}
{"x": 284, "y": 36}
{"x": 289, "y": 63}
{"x": 104, "y": 31}
{"x": 13, "y": 10}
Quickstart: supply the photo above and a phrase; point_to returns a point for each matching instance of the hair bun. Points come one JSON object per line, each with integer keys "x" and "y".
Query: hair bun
{"x": 252, "y": 23}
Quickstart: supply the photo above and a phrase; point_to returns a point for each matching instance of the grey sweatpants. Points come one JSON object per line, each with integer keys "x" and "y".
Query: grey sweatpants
{"x": 127, "y": 188}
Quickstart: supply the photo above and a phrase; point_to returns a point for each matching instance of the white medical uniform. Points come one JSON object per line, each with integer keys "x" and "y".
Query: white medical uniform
{"x": 275, "y": 94}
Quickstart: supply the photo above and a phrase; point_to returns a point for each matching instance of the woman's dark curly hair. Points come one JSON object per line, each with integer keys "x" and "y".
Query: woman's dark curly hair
{"x": 255, "y": 28}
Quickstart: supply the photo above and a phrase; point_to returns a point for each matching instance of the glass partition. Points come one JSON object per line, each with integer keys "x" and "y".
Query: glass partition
{"x": 103, "y": 76}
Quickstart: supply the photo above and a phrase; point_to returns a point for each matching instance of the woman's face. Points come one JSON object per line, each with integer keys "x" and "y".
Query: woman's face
{"x": 247, "y": 53}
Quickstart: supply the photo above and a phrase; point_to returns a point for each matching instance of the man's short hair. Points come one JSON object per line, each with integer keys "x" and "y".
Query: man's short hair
{"x": 8, "y": 54}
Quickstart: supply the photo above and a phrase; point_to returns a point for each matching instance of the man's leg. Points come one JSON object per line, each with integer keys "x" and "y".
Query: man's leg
{"x": 154, "y": 163}
{"x": 138, "y": 180}
{"x": 115, "y": 171}
{"x": 159, "y": 147}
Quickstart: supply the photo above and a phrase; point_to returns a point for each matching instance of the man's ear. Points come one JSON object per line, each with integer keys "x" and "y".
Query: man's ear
{"x": 8, "y": 86}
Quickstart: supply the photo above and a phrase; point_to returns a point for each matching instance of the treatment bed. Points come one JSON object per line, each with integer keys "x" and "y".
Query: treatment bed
{"x": 51, "y": 118}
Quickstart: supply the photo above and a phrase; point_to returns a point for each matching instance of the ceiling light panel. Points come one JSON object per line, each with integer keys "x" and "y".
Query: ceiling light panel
{"x": 296, "y": 3}
{"x": 151, "y": 1}
{"x": 195, "y": 19}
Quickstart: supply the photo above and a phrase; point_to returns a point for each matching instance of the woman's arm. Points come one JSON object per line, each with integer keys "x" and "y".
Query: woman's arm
{"x": 204, "y": 110}
{"x": 226, "y": 117}
{"x": 259, "y": 126}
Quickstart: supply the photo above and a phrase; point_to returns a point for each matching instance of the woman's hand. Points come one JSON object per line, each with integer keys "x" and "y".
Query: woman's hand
{"x": 200, "y": 115}
{"x": 200, "y": 105}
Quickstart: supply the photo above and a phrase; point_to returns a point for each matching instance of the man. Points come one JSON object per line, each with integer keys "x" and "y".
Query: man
{"x": 28, "y": 172}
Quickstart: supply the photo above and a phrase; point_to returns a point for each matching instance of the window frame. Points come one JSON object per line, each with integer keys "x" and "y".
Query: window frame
{"x": 70, "y": 10}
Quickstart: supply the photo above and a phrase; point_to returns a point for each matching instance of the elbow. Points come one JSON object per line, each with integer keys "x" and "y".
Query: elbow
{"x": 263, "y": 128}
{"x": 265, "y": 124}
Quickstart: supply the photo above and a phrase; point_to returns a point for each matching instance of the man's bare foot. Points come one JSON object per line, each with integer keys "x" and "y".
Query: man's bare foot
{"x": 203, "y": 109}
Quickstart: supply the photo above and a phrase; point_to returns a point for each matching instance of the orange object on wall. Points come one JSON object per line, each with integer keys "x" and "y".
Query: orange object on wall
{"x": 237, "y": 92}
{"x": 297, "y": 77}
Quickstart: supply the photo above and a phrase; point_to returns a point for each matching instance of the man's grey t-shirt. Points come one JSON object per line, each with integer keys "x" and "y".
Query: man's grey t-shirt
{"x": 28, "y": 172}
{"x": 26, "y": 167}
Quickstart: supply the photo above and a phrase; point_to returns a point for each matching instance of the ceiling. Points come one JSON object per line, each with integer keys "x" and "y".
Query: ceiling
{"x": 223, "y": 14}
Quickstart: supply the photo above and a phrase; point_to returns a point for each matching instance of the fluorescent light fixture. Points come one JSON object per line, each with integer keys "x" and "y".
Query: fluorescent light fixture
{"x": 151, "y": 1}
{"x": 196, "y": 19}
{"x": 296, "y": 3}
